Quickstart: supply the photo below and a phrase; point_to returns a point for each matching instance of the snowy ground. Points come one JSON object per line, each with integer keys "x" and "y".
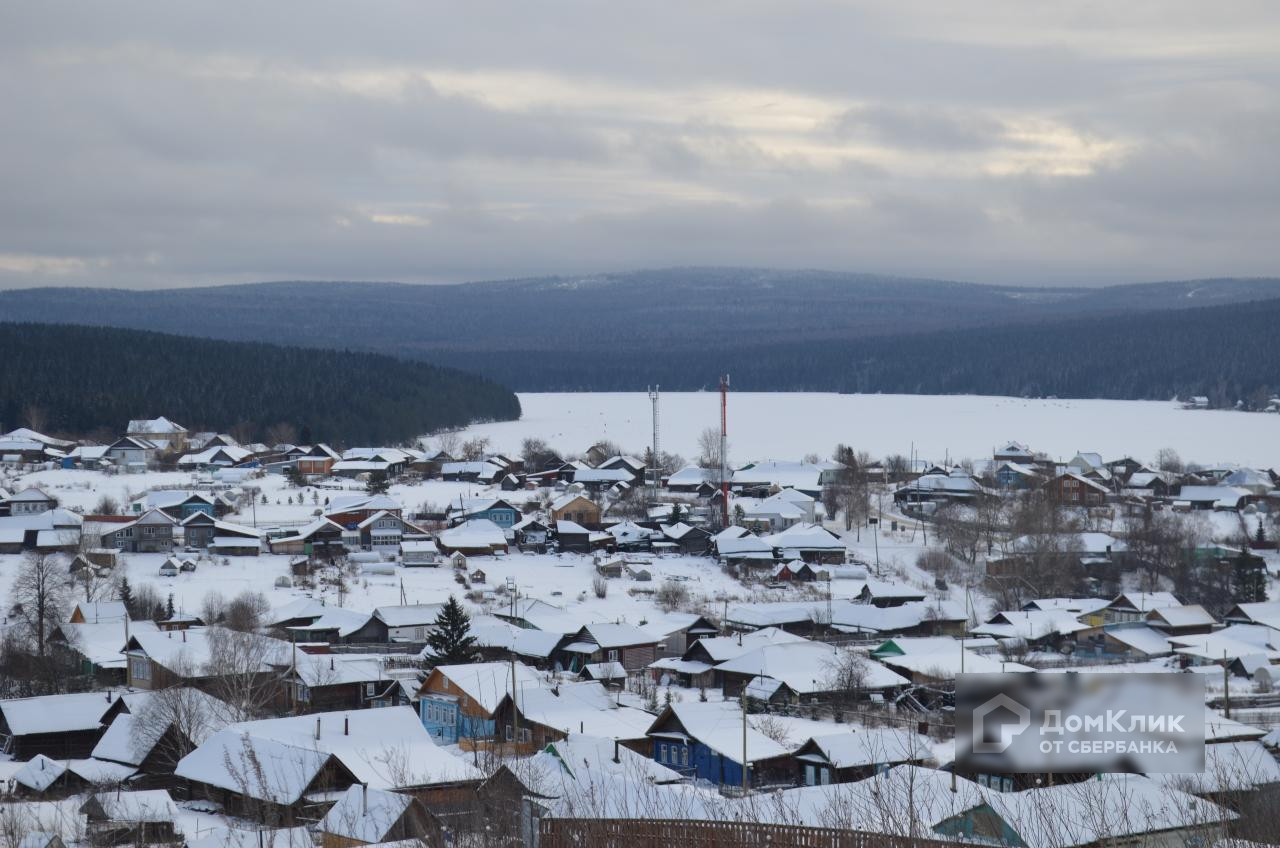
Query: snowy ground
{"x": 790, "y": 425}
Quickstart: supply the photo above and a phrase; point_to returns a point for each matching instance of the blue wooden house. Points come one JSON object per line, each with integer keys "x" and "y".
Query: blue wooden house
{"x": 457, "y": 702}
{"x": 497, "y": 510}
{"x": 704, "y": 741}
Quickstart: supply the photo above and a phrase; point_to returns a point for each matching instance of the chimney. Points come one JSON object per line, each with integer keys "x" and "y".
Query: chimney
{"x": 364, "y": 799}
{"x": 317, "y": 727}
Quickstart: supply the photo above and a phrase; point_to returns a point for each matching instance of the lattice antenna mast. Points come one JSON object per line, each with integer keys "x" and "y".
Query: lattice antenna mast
{"x": 657, "y": 468}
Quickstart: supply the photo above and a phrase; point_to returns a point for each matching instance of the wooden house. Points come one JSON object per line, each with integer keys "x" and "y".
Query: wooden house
{"x": 856, "y": 755}
{"x": 131, "y": 818}
{"x": 1073, "y": 489}
{"x": 577, "y": 509}
{"x": 627, "y": 644}
{"x": 152, "y": 532}
{"x": 456, "y": 703}
{"x": 364, "y": 816}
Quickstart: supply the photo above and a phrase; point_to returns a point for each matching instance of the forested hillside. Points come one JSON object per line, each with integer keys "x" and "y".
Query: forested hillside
{"x": 80, "y": 380}
{"x": 773, "y": 330}
{"x": 1227, "y": 353}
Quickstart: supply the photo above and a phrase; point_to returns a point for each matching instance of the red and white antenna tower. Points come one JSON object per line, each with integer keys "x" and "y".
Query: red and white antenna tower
{"x": 724, "y": 450}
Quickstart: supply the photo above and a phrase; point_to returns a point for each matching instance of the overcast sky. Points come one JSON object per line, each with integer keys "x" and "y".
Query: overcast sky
{"x": 155, "y": 144}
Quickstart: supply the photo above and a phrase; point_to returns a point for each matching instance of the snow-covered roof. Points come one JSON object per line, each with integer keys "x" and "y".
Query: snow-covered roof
{"x": 156, "y": 426}
{"x": 718, "y": 725}
{"x": 798, "y": 475}
{"x": 1221, "y": 496}
{"x": 1233, "y": 642}
{"x": 229, "y": 453}
{"x": 690, "y": 475}
{"x": 232, "y": 837}
{"x": 1030, "y": 624}
{"x": 364, "y": 815}
{"x": 602, "y": 475}
{"x": 408, "y": 615}
{"x": 808, "y": 537}
{"x": 1228, "y": 767}
{"x": 361, "y": 503}
{"x": 1100, "y": 811}
{"x": 619, "y": 635}
{"x": 101, "y": 611}
{"x": 102, "y": 643}
{"x": 56, "y": 713}
{"x": 873, "y": 746}
{"x": 343, "y": 621}
{"x": 1144, "y": 601}
{"x": 775, "y": 613}
{"x": 807, "y": 667}
{"x": 149, "y": 805}
{"x": 945, "y": 664}
{"x": 476, "y": 533}
{"x": 584, "y": 707}
{"x": 722, "y": 648}
{"x": 1186, "y": 615}
{"x": 487, "y": 683}
{"x": 1142, "y": 638}
{"x": 191, "y": 650}
{"x": 388, "y": 748}
{"x": 39, "y": 773}
{"x": 744, "y": 546}
{"x": 854, "y": 617}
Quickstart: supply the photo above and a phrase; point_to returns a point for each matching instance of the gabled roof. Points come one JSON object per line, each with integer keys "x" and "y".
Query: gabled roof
{"x": 365, "y": 815}
{"x": 487, "y": 683}
{"x": 568, "y": 498}
{"x": 618, "y": 635}
{"x": 806, "y": 667}
{"x": 55, "y": 713}
{"x": 872, "y": 746}
{"x": 158, "y": 426}
{"x": 718, "y": 725}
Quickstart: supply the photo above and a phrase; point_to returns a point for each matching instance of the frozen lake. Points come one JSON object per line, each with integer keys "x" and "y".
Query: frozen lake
{"x": 768, "y": 425}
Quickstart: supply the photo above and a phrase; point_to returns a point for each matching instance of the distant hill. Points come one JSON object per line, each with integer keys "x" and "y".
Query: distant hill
{"x": 80, "y": 380}
{"x": 782, "y": 330}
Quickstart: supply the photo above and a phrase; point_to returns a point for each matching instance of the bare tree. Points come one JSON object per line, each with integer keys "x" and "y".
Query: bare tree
{"x": 39, "y": 597}
{"x": 246, "y": 612}
{"x": 709, "y": 449}
{"x": 239, "y": 666}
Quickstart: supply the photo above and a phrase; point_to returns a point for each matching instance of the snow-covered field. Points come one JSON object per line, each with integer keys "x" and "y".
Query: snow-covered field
{"x": 764, "y": 425}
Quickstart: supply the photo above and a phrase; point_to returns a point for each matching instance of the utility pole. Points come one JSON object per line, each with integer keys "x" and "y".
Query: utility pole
{"x": 515, "y": 708}
{"x": 724, "y": 451}
{"x": 742, "y": 696}
{"x": 1226, "y": 686}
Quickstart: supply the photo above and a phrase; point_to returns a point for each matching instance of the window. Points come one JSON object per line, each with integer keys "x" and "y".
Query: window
{"x": 139, "y": 668}
{"x": 302, "y": 692}
{"x": 662, "y": 752}
{"x": 508, "y": 732}
{"x": 611, "y": 656}
{"x": 369, "y": 690}
{"x": 684, "y": 755}
{"x": 526, "y": 735}
{"x": 149, "y": 531}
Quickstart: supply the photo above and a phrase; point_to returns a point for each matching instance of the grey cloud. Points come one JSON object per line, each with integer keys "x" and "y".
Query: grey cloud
{"x": 156, "y": 144}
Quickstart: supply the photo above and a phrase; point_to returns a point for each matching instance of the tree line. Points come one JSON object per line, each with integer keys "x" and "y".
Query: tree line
{"x": 81, "y": 380}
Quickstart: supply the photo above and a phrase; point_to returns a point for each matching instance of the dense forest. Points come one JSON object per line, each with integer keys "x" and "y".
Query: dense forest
{"x": 1226, "y": 353}
{"x": 80, "y": 380}
{"x": 772, "y": 330}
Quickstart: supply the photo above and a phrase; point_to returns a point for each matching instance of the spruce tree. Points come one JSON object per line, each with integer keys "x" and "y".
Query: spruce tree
{"x": 126, "y": 596}
{"x": 378, "y": 483}
{"x": 450, "y": 640}
{"x": 168, "y": 609}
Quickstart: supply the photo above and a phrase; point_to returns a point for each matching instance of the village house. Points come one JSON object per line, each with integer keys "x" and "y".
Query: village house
{"x": 573, "y": 507}
{"x": 501, "y": 512}
{"x": 540, "y": 716}
{"x": 627, "y": 644}
{"x": 202, "y": 530}
{"x": 131, "y": 454}
{"x": 364, "y": 816}
{"x": 849, "y": 756}
{"x": 160, "y": 432}
{"x": 152, "y": 532}
{"x": 1071, "y": 489}
{"x": 704, "y": 740}
{"x": 60, "y": 727}
{"x": 456, "y": 703}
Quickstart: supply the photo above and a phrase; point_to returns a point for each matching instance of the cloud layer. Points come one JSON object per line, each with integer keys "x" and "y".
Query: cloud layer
{"x": 156, "y": 144}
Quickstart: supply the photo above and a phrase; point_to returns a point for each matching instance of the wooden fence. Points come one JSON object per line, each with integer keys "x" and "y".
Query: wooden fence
{"x": 665, "y": 833}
